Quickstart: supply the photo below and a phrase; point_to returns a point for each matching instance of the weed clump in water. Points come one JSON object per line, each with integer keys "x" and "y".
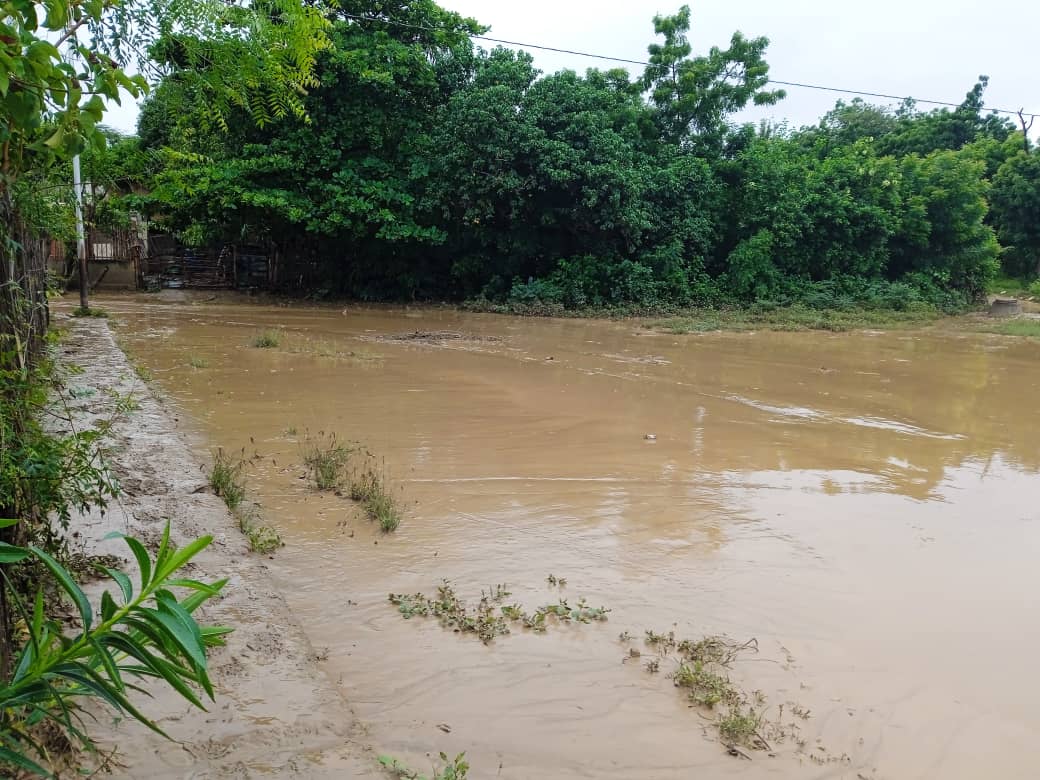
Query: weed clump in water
{"x": 225, "y": 477}
{"x": 702, "y": 673}
{"x": 327, "y": 459}
{"x": 491, "y": 618}
{"x": 197, "y": 361}
{"x": 267, "y": 339}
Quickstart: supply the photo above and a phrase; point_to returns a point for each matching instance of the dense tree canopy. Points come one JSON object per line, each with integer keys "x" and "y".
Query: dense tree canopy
{"x": 430, "y": 168}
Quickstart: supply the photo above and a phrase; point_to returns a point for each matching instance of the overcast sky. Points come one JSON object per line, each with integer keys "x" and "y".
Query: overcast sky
{"x": 923, "y": 48}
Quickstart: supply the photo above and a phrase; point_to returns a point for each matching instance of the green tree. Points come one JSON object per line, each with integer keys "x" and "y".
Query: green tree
{"x": 1016, "y": 212}
{"x": 695, "y": 95}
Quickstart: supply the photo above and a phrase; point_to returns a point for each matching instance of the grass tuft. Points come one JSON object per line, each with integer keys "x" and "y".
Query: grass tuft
{"x": 197, "y": 361}
{"x": 267, "y": 339}
{"x": 327, "y": 460}
{"x": 142, "y": 372}
{"x": 262, "y": 539}
{"x": 225, "y": 477}
{"x": 368, "y": 486}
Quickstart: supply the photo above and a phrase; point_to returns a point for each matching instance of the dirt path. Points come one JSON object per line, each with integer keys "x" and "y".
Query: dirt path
{"x": 276, "y": 714}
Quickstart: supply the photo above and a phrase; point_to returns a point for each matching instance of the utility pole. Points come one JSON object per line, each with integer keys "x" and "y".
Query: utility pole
{"x": 81, "y": 238}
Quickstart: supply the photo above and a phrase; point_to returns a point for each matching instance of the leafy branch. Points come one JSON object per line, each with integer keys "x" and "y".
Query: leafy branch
{"x": 151, "y": 634}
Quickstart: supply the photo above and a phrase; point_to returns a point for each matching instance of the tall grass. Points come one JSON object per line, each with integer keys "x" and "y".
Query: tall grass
{"x": 368, "y": 486}
{"x": 225, "y": 477}
{"x": 227, "y": 480}
{"x": 326, "y": 458}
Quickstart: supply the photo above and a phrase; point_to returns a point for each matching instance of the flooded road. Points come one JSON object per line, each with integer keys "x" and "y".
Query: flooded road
{"x": 866, "y": 506}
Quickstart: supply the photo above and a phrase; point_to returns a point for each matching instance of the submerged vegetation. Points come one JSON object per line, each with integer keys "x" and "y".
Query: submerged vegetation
{"x": 702, "y": 673}
{"x": 491, "y": 617}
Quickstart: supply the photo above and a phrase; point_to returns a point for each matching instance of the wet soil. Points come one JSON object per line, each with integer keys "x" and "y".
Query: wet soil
{"x": 864, "y": 505}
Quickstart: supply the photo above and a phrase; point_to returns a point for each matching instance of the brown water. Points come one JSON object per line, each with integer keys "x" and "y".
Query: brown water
{"x": 866, "y": 505}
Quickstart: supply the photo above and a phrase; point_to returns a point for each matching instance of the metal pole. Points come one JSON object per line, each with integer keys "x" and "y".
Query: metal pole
{"x": 81, "y": 240}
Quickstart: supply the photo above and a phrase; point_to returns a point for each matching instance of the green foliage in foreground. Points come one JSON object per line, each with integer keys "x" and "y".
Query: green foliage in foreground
{"x": 143, "y": 632}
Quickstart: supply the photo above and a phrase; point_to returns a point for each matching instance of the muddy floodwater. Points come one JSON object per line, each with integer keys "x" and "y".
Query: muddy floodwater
{"x": 866, "y": 506}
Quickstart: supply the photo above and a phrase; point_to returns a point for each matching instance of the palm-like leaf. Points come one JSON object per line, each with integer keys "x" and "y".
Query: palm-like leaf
{"x": 148, "y": 634}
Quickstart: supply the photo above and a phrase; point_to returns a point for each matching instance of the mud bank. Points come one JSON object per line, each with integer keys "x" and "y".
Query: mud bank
{"x": 276, "y": 714}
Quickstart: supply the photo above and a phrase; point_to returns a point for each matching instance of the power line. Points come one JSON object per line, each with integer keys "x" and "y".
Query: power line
{"x": 608, "y": 58}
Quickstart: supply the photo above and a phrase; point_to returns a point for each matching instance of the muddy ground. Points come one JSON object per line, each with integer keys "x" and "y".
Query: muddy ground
{"x": 276, "y": 713}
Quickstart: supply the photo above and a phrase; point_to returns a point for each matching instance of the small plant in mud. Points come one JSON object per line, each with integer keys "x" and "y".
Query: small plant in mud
{"x": 226, "y": 479}
{"x": 268, "y": 338}
{"x": 368, "y": 485}
{"x": 491, "y": 618}
{"x": 326, "y": 458}
{"x": 197, "y": 361}
{"x": 262, "y": 539}
{"x": 454, "y": 769}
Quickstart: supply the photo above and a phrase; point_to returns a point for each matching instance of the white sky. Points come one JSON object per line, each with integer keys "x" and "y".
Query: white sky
{"x": 931, "y": 49}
